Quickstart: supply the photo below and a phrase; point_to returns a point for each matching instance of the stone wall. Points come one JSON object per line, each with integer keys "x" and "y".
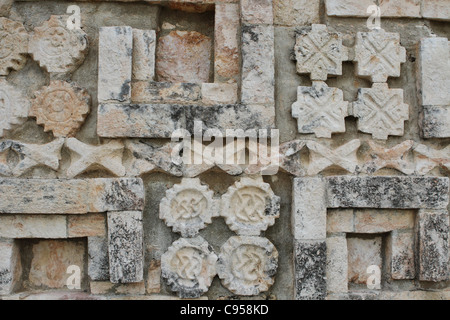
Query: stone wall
{"x": 102, "y": 109}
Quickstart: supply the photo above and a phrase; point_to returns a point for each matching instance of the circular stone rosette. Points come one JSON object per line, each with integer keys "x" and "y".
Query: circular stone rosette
{"x": 14, "y": 107}
{"x": 250, "y": 206}
{"x": 189, "y": 266}
{"x": 247, "y": 265}
{"x": 13, "y": 46}
{"x": 61, "y": 108}
{"x": 187, "y": 207}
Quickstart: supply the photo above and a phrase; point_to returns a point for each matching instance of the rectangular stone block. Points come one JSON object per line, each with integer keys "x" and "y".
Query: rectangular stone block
{"x": 363, "y": 252}
{"x": 381, "y": 221}
{"x": 144, "y": 47}
{"x": 337, "y": 264}
{"x": 433, "y": 235}
{"x": 89, "y": 225}
{"x": 340, "y": 221}
{"x": 154, "y": 277}
{"x": 258, "y": 60}
{"x": 10, "y": 266}
{"x": 309, "y": 211}
{"x": 400, "y": 255}
{"x": 165, "y": 92}
{"x": 387, "y": 192}
{"x": 219, "y": 93}
{"x": 436, "y": 121}
{"x": 125, "y": 247}
{"x": 348, "y": 8}
{"x": 310, "y": 262}
{"x": 400, "y": 8}
{"x": 257, "y": 11}
{"x": 33, "y": 226}
{"x": 291, "y": 13}
{"x": 98, "y": 258}
{"x": 436, "y": 9}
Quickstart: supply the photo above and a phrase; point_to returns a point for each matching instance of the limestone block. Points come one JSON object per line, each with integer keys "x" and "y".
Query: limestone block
{"x": 362, "y": 253}
{"x": 183, "y": 56}
{"x": 98, "y": 258}
{"x": 61, "y": 108}
{"x": 381, "y": 111}
{"x": 292, "y": 13}
{"x": 125, "y": 246}
{"x": 310, "y": 263}
{"x": 401, "y": 254}
{"x": 188, "y": 207}
{"x": 57, "y": 48}
{"x": 435, "y": 121}
{"x": 189, "y": 266}
{"x": 165, "y": 92}
{"x": 400, "y": 8}
{"x": 340, "y": 221}
{"x": 433, "y": 245}
{"x": 115, "y": 63}
{"x": 348, "y": 8}
{"x": 14, "y": 106}
{"x": 5, "y": 7}
{"x": 319, "y": 52}
{"x": 10, "y": 266}
{"x": 88, "y": 225}
{"x": 378, "y": 55}
{"x": 337, "y": 264}
{"x": 14, "y": 44}
{"x": 154, "y": 277}
{"x": 387, "y": 192}
{"x": 5, "y": 169}
{"x": 381, "y": 221}
{"x": 247, "y": 265}
{"x": 33, "y": 226}
{"x": 427, "y": 158}
{"x": 144, "y": 47}
{"x": 257, "y": 11}
{"x": 219, "y": 93}
{"x": 320, "y": 110}
{"x": 250, "y": 206}
{"x": 436, "y": 9}
{"x": 396, "y": 158}
{"x": 309, "y": 211}
{"x": 258, "y": 59}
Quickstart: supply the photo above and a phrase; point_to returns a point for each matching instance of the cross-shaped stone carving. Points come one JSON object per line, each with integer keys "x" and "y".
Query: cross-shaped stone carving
{"x": 395, "y": 158}
{"x": 427, "y": 158}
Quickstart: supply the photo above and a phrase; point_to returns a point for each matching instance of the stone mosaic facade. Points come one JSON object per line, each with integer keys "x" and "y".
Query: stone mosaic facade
{"x": 102, "y": 169}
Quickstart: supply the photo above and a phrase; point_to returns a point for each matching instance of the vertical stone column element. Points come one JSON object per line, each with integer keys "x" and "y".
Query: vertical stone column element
{"x": 381, "y": 111}
{"x": 10, "y": 266}
{"x": 189, "y": 266}
{"x": 115, "y": 63}
{"x": 14, "y": 46}
{"x": 433, "y": 234}
{"x": 144, "y": 47}
{"x": 378, "y": 55}
{"x": 250, "y": 206}
{"x": 319, "y": 52}
{"x": 320, "y": 110}
{"x": 337, "y": 263}
{"x": 125, "y": 246}
{"x": 188, "y": 207}
{"x": 247, "y": 265}
{"x": 400, "y": 254}
{"x": 14, "y": 107}
{"x": 98, "y": 258}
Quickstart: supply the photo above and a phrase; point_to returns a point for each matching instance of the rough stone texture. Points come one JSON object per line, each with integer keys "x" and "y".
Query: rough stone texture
{"x": 427, "y": 158}
{"x": 144, "y": 47}
{"x": 296, "y": 12}
{"x": 348, "y": 8}
{"x": 10, "y": 266}
{"x": 436, "y": 121}
{"x": 5, "y": 7}
{"x": 322, "y": 158}
{"x": 400, "y": 8}
{"x": 340, "y": 221}
{"x": 362, "y": 253}
{"x": 165, "y": 92}
{"x": 320, "y": 110}
{"x": 13, "y": 107}
{"x": 337, "y": 264}
{"x": 33, "y": 226}
{"x": 183, "y": 56}
{"x": 98, "y": 258}
{"x": 14, "y": 44}
{"x": 61, "y": 108}
{"x": 125, "y": 246}
{"x": 89, "y": 225}
{"x": 154, "y": 277}
{"x": 395, "y": 158}
{"x": 436, "y": 9}
{"x": 309, "y": 211}
{"x": 247, "y": 265}
{"x": 57, "y": 48}
{"x": 433, "y": 245}
{"x": 115, "y": 63}
{"x": 387, "y": 192}
{"x": 219, "y": 93}
{"x": 381, "y": 221}
{"x": 189, "y": 267}
{"x": 257, "y": 11}
{"x": 310, "y": 263}
{"x": 401, "y": 250}
{"x": 249, "y": 207}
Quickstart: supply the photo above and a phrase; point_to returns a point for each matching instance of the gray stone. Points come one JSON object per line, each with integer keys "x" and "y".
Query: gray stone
{"x": 98, "y": 258}
{"x": 436, "y": 9}
{"x": 400, "y": 254}
{"x": 348, "y": 8}
{"x": 337, "y": 264}
{"x": 436, "y": 121}
{"x": 10, "y": 266}
{"x": 144, "y": 47}
{"x": 166, "y": 92}
{"x": 33, "y": 226}
{"x": 257, "y": 11}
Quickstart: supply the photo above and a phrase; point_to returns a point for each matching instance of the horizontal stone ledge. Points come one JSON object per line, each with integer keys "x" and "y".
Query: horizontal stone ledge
{"x": 387, "y": 192}
{"x": 41, "y": 196}
{"x": 161, "y": 120}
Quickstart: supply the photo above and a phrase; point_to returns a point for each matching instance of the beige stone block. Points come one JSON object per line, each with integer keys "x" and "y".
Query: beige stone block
{"x": 436, "y": 9}
{"x": 144, "y": 48}
{"x": 380, "y": 221}
{"x": 33, "y": 226}
{"x": 130, "y": 288}
{"x": 348, "y": 8}
{"x": 362, "y": 253}
{"x": 101, "y": 287}
{"x": 89, "y": 225}
{"x": 292, "y": 13}
{"x": 165, "y": 92}
{"x": 400, "y": 8}
{"x": 219, "y": 93}
{"x": 257, "y": 11}
{"x": 340, "y": 221}
{"x": 154, "y": 277}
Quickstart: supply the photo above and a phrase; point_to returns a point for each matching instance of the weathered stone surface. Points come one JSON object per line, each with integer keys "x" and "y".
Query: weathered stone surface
{"x": 165, "y": 92}
{"x": 250, "y": 206}
{"x": 61, "y": 108}
{"x": 319, "y": 52}
{"x": 257, "y": 11}
{"x": 226, "y": 44}
{"x": 100, "y": 287}
{"x": 5, "y": 7}
{"x": 436, "y": 9}
{"x": 125, "y": 246}
{"x": 14, "y": 107}
{"x": 436, "y": 122}
{"x": 98, "y": 259}
{"x": 51, "y": 258}
{"x": 396, "y": 158}
{"x": 14, "y": 46}
{"x": 219, "y": 93}
{"x": 154, "y": 277}
{"x": 189, "y": 266}
{"x": 309, "y": 211}
{"x": 193, "y": 6}
{"x": 89, "y": 225}
{"x": 115, "y": 63}
{"x": 337, "y": 264}
{"x": 258, "y": 59}
{"x": 320, "y": 110}
{"x": 381, "y": 221}
{"x": 10, "y": 266}
{"x": 387, "y": 192}
{"x": 57, "y": 48}
{"x": 381, "y": 111}
{"x": 340, "y": 221}
{"x": 433, "y": 245}
{"x": 130, "y": 288}
{"x": 310, "y": 263}
{"x": 400, "y": 8}
{"x": 85, "y": 157}
{"x": 427, "y": 158}
{"x": 322, "y": 158}
{"x": 183, "y": 56}
{"x": 247, "y": 265}
{"x": 362, "y": 253}
{"x": 296, "y": 12}
{"x": 144, "y": 47}
{"x": 33, "y": 226}
{"x": 400, "y": 248}
{"x": 348, "y": 8}
{"x": 188, "y": 207}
